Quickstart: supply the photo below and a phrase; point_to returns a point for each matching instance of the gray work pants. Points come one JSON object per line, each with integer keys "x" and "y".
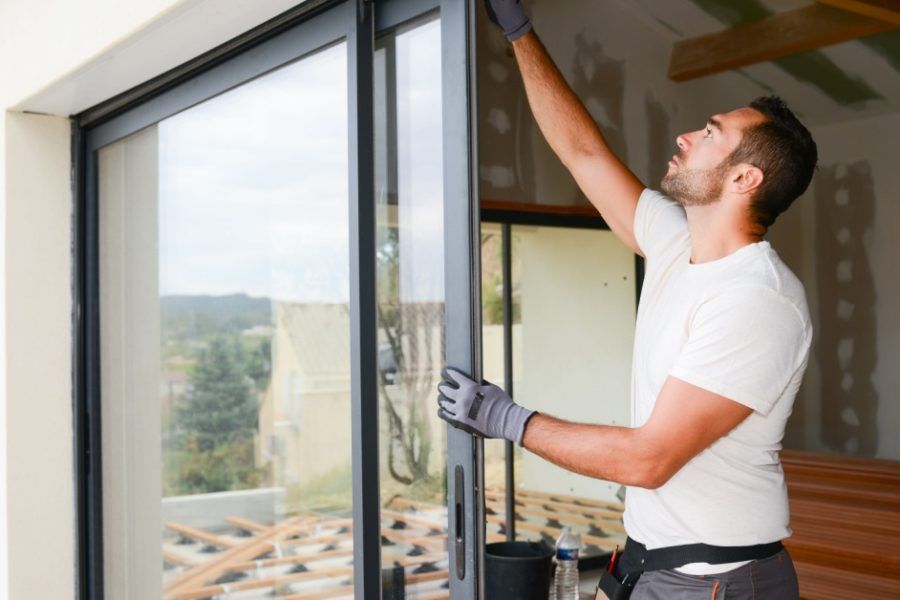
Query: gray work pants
{"x": 771, "y": 578}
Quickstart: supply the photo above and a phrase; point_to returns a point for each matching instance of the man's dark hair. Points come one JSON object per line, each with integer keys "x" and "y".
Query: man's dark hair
{"x": 783, "y": 149}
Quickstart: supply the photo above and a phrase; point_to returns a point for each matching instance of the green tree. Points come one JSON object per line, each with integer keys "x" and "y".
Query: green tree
{"x": 491, "y": 279}
{"x": 228, "y": 466}
{"x": 259, "y": 364}
{"x": 215, "y": 423}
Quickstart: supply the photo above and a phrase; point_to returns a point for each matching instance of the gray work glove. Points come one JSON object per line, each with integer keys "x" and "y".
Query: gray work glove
{"x": 508, "y": 14}
{"x": 483, "y": 409}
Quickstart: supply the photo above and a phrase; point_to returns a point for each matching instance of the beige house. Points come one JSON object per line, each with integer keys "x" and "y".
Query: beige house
{"x": 304, "y": 417}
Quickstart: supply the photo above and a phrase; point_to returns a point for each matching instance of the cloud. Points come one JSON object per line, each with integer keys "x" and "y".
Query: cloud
{"x": 253, "y": 190}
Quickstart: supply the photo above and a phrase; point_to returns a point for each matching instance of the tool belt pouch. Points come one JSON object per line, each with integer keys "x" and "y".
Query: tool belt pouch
{"x": 614, "y": 588}
{"x": 636, "y": 560}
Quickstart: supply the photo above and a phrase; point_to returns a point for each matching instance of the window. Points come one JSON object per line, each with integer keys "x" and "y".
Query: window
{"x": 411, "y": 309}
{"x": 241, "y": 337}
{"x": 224, "y": 234}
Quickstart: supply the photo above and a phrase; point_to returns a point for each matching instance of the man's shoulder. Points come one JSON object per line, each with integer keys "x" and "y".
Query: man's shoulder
{"x": 656, "y": 198}
{"x": 759, "y": 302}
{"x": 773, "y": 275}
{"x": 659, "y": 223}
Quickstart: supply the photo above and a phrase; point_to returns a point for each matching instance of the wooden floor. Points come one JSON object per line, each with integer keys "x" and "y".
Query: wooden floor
{"x": 845, "y": 514}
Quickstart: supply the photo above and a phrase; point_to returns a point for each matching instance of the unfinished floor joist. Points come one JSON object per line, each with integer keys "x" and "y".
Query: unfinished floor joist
{"x": 316, "y": 551}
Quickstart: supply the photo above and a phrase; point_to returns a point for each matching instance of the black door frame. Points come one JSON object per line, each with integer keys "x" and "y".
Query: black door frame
{"x": 308, "y": 27}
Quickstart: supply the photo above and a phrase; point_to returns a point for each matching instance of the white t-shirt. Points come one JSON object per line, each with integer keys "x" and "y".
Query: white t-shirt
{"x": 739, "y": 327}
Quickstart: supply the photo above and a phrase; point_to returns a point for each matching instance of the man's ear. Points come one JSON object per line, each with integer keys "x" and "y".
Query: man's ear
{"x": 746, "y": 178}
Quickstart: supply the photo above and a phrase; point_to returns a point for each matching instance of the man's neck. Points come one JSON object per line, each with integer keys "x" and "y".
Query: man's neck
{"x": 716, "y": 233}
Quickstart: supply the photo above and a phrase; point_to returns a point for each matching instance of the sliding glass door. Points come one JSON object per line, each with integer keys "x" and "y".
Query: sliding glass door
{"x": 225, "y": 320}
{"x": 275, "y": 261}
{"x": 410, "y": 309}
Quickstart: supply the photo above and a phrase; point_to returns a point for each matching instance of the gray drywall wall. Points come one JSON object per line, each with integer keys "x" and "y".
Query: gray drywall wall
{"x": 616, "y": 63}
{"x": 841, "y": 240}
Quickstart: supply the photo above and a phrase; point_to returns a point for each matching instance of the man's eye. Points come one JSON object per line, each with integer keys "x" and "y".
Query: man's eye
{"x": 708, "y": 132}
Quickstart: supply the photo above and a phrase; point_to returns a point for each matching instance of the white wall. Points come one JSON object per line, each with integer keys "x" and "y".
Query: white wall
{"x": 41, "y": 41}
{"x": 39, "y": 475}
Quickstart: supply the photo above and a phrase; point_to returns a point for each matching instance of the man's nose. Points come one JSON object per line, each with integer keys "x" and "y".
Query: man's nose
{"x": 681, "y": 142}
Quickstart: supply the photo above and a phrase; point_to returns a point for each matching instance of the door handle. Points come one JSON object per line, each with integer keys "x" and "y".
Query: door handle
{"x": 460, "y": 523}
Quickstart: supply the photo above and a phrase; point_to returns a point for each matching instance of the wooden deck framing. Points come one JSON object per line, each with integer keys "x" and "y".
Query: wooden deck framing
{"x": 310, "y": 557}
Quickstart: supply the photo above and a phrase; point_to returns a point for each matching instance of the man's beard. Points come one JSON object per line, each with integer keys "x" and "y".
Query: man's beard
{"x": 696, "y": 187}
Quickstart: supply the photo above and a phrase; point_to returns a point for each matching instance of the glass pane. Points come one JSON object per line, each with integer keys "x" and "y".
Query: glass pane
{"x": 225, "y": 344}
{"x": 574, "y": 312}
{"x": 410, "y": 281}
{"x": 493, "y": 360}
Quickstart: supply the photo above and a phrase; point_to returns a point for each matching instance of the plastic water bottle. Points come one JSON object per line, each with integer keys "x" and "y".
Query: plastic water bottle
{"x": 565, "y": 582}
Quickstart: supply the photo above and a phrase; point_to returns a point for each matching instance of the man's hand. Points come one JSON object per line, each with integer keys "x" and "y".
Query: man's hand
{"x": 482, "y": 409}
{"x": 508, "y": 14}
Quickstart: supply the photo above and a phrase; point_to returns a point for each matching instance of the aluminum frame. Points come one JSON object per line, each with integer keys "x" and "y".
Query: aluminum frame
{"x": 289, "y": 37}
{"x": 363, "y": 321}
{"x": 462, "y": 265}
{"x": 509, "y": 447}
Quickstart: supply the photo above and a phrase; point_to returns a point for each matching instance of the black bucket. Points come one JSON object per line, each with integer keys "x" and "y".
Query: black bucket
{"x": 517, "y": 570}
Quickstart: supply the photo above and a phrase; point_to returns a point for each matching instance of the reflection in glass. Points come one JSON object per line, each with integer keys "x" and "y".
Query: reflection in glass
{"x": 410, "y": 287}
{"x": 225, "y": 344}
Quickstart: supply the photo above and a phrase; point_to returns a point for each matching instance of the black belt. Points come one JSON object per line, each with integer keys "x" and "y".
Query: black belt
{"x": 635, "y": 559}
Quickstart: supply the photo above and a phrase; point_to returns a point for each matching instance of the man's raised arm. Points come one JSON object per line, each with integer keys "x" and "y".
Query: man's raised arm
{"x": 568, "y": 127}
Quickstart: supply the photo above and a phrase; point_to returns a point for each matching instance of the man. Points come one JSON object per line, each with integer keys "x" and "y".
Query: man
{"x": 721, "y": 344}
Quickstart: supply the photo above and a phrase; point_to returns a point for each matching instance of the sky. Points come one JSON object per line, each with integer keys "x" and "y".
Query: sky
{"x": 253, "y": 190}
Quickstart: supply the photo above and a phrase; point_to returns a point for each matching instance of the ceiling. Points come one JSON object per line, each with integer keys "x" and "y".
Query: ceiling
{"x": 848, "y": 80}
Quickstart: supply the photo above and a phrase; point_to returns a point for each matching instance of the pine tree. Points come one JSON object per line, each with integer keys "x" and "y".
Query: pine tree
{"x": 215, "y": 423}
{"x": 220, "y": 407}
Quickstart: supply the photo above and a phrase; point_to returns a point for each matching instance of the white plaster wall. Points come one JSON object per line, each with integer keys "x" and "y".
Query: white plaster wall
{"x": 43, "y": 40}
{"x": 65, "y": 57}
{"x": 40, "y": 514}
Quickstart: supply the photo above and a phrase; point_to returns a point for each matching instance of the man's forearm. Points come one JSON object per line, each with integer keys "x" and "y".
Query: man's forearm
{"x": 607, "y": 452}
{"x": 563, "y": 119}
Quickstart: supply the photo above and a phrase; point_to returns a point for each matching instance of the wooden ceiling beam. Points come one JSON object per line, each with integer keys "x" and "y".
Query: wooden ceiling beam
{"x": 884, "y": 10}
{"x": 782, "y": 34}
